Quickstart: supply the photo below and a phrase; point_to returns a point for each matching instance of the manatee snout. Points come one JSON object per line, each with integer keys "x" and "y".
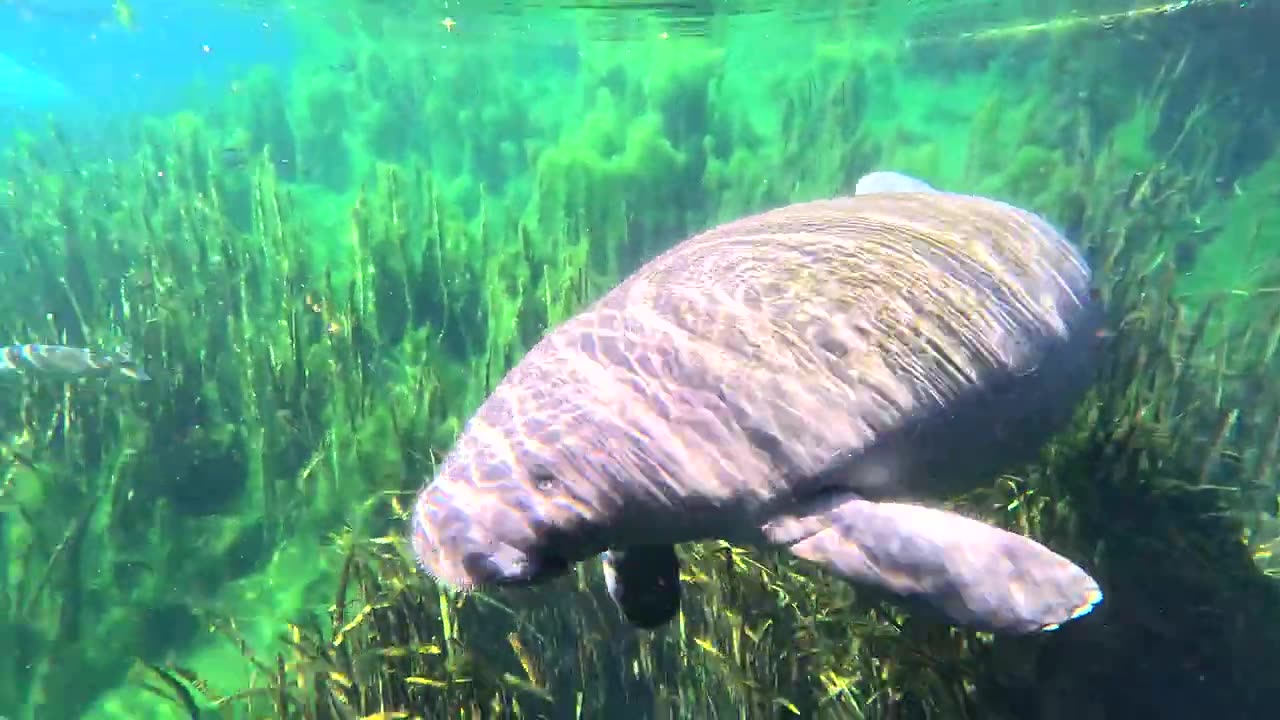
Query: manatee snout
{"x": 465, "y": 542}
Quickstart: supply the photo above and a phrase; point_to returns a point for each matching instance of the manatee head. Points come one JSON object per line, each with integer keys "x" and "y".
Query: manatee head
{"x": 501, "y": 509}
{"x": 465, "y": 543}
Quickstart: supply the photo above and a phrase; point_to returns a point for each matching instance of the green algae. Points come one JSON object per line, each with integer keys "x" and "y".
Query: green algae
{"x": 325, "y": 310}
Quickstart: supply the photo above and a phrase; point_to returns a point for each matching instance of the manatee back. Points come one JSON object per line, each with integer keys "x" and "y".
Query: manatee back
{"x": 912, "y": 341}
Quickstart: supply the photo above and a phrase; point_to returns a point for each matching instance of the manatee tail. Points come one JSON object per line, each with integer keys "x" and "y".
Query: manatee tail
{"x": 974, "y": 574}
{"x": 886, "y": 181}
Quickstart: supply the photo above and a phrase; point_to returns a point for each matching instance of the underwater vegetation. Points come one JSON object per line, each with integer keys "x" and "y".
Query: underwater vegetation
{"x": 325, "y": 277}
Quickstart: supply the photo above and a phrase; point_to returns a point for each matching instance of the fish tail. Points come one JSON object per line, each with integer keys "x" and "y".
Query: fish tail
{"x": 125, "y": 364}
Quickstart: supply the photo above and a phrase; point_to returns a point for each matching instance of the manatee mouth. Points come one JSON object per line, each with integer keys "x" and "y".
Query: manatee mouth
{"x": 461, "y": 558}
{"x": 488, "y": 570}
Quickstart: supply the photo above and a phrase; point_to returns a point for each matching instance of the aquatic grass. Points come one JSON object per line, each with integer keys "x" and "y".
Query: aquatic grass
{"x": 320, "y": 324}
{"x": 262, "y": 423}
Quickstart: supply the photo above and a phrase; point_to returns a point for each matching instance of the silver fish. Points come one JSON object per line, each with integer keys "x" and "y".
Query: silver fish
{"x": 69, "y": 363}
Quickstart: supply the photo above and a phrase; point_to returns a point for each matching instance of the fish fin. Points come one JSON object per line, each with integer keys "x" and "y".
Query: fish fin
{"x": 127, "y": 366}
{"x": 886, "y": 181}
{"x": 974, "y": 574}
{"x": 134, "y": 371}
{"x": 644, "y": 582}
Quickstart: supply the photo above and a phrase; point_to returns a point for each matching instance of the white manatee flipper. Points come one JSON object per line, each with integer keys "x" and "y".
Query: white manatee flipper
{"x": 887, "y": 181}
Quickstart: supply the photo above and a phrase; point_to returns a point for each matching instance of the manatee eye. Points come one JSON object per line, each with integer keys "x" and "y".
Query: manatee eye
{"x": 542, "y": 477}
{"x": 831, "y": 344}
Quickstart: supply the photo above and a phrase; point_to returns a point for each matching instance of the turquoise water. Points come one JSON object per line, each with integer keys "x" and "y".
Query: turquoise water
{"x": 323, "y": 233}
{"x": 77, "y": 60}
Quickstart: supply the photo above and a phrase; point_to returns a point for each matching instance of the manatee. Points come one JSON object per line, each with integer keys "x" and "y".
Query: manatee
{"x": 805, "y": 378}
{"x": 889, "y": 181}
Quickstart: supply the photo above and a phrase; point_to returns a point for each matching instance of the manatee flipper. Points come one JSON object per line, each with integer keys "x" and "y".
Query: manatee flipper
{"x": 883, "y": 181}
{"x": 972, "y": 573}
{"x": 644, "y": 581}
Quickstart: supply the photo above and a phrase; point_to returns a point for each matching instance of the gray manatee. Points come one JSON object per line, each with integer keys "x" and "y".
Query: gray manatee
{"x": 790, "y": 379}
{"x": 888, "y": 181}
